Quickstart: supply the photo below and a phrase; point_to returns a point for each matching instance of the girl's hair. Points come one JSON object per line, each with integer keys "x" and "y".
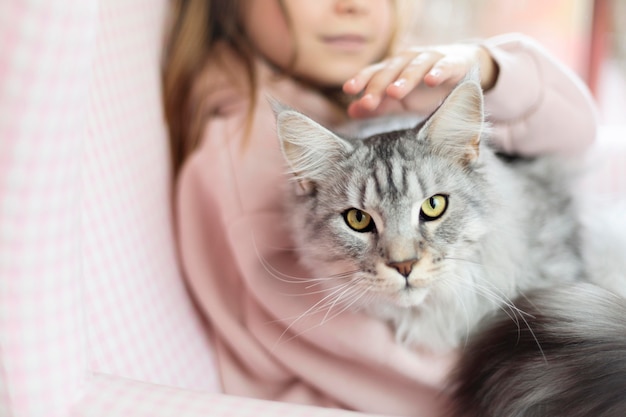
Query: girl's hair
{"x": 197, "y": 28}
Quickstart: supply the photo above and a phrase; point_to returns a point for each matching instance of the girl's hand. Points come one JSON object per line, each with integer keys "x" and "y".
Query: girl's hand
{"x": 395, "y": 78}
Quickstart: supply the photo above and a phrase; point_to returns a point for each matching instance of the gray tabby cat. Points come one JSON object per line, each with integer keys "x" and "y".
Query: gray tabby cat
{"x": 443, "y": 233}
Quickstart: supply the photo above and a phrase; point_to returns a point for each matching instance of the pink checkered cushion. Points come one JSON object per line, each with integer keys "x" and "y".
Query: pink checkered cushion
{"x": 88, "y": 276}
{"x": 44, "y": 88}
{"x": 141, "y": 322}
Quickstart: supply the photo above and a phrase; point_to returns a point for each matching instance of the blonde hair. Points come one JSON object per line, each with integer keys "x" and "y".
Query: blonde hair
{"x": 196, "y": 30}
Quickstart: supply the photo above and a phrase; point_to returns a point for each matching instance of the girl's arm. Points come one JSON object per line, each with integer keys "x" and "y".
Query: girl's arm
{"x": 535, "y": 104}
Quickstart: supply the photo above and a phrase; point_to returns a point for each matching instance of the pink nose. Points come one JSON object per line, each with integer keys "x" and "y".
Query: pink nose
{"x": 403, "y": 267}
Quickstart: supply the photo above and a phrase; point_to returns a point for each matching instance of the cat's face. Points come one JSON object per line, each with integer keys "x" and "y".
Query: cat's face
{"x": 394, "y": 214}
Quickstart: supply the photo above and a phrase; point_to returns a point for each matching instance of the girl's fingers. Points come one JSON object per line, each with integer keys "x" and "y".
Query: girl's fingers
{"x": 358, "y": 83}
{"x": 356, "y": 111}
{"x": 387, "y": 105}
{"x": 379, "y": 80}
{"x": 413, "y": 74}
{"x": 447, "y": 69}
{"x": 398, "y": 76}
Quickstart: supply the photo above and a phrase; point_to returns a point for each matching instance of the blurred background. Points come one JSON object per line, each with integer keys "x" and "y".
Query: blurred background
{"x": 587, "y": 35}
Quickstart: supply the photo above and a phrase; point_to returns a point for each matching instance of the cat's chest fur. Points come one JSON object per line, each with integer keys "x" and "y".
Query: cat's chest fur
{"x": 427, "y": 228}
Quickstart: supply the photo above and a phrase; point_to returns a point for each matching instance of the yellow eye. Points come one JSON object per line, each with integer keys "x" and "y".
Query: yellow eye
{"x": 358, "y": 220}
{"x": 434, "y": 207}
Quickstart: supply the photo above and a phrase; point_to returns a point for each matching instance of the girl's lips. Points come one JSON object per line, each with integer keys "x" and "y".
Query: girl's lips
{"x": 345, "y": 42}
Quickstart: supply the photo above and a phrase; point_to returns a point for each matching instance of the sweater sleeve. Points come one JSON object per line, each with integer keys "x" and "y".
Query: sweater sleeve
{"x": 538, "y": 105}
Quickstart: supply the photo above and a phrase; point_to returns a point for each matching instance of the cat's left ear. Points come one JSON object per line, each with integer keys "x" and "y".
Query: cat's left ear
{"x": 457, "y": 125}
{"x": 309, "y": 148}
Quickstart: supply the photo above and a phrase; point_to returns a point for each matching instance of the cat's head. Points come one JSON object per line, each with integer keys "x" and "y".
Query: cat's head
{"x": 396, "y": 213}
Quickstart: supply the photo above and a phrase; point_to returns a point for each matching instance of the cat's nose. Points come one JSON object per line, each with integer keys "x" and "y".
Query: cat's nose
{"x": 403, "y": 267}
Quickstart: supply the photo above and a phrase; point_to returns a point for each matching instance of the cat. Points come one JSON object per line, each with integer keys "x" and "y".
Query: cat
{"x": 439, "y": 228}
{"x": 451, "y": 243}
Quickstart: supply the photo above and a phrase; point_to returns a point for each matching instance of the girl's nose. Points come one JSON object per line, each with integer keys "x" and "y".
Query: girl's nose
{"x": 351, "y": 6}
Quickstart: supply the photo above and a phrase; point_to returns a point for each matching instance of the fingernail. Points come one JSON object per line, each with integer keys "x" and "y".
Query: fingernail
{"x": 400, "y": 83}
{"x": 352, "y": 82}
{"x": 435, "y": 72}
{"x": 350, "y": 86}
{"x": 370, "y": 101}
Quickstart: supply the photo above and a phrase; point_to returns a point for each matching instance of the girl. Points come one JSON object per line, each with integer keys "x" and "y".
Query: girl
{"x": 333, "y": 60}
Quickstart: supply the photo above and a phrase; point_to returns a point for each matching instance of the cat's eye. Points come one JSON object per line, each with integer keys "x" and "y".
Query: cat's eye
{"x": 434, "y": 207}
{"x": 358, "y": 220}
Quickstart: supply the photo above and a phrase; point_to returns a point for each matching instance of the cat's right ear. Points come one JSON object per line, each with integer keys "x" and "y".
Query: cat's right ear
{"x": 309, "y": 148}
{"x": 457, "y": 126}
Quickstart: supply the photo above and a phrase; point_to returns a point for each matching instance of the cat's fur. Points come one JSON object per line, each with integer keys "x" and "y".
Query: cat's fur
{"x": 565, "y": 357}
{"x": 510, "y": 226}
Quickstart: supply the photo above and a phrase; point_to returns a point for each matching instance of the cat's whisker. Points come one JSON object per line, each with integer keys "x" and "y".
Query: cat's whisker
{"x": 291, "y": 279}
{"x": 355, "y": 298}
{"x": 528, "y": 326}
{"x": 502, "y": 302}
{"x": 505, "y": 304}
{"x": 523, "y": 295}
{"x": 509, "y": 303}
{"x": 319, "y": 291}
{"x": 316, "y": 284}
{"x": 521, "y": 314}
{"x": 334, "y": 277}
{"x": 345, "y": 293}
{"x": 281, "y": 276}
{"x": 493, "y": 293}
{"x": 319, "y": 306}
{"x": 499, "y": 300}
{"x": 450, "y": 258}
{"x": 338, "y": 299}
{"x": 284, "y": 341}
{"x": 316, "y": 310}
{"x": 311, "y": 311}
{"x": 324, "y": 301}
{"x": 317, "y": 281}
{"x": 339, "y": 275}
{"x": 348, "y": 303}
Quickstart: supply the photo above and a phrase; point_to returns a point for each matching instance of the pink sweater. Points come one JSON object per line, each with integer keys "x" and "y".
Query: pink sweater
{"x": 231, "y": 228}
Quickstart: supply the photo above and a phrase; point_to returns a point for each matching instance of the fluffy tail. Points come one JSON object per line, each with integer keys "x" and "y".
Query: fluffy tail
{"x": 563, "y": 355}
